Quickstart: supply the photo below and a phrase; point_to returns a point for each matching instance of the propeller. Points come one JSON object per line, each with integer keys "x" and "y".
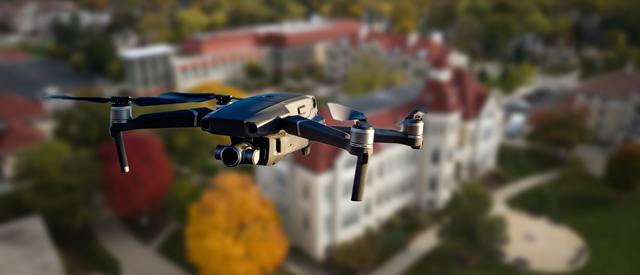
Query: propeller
{"x": 344, "y": 113}
{"x": 165, "y": 98}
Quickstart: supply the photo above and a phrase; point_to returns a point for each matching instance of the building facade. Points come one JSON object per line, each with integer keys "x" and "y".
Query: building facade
{"x": 221, "y": 55}
{"x": 463, "y": 129}
{"x": 613, "y": 103}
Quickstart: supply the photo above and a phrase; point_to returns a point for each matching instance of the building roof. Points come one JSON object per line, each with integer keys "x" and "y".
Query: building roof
{"x": 17, "y": 134}
{"x": 286, "y": 34}
{"x": 461, "y": 93}
{"x": 13, "y": 107}
{"x": 152, "y": 50}
{"x": 31, "y": 76}
{"x": 614, "y": 84}
{"x": 25, "y": 248}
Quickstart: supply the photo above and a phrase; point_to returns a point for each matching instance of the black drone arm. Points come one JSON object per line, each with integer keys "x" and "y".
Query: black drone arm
{"x": 169, "y": 119}
{"x": 313, "y": 130}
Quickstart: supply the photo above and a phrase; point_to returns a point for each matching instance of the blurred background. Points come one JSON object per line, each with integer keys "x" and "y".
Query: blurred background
{"x": 530, "y": 164}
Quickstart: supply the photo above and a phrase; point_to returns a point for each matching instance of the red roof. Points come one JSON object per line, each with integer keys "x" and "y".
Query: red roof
{"x": 615, "y": 84}
{"x": 471, "y": 93}
{"x": 17, "y": 134}
{"x": 11, "y": 55}
{"x": 14, "y": 107}
{"x": 463, "y": 93}
{"x": 262, "y": 36}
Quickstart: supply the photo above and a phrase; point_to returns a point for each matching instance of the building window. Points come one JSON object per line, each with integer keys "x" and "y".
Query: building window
{"x": 305, "y": 190}
{"x": 435, "y": 156}
{"x": 305, "y": 223}
{"x": 433, "y": 184}
{"x": 350, "y": 217}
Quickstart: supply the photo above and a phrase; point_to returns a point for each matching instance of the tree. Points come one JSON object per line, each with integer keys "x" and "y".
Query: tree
{"x": 370, "y": 73}
{"x": 58, "y": 181}
{"x": 623, "y": 168}
{"x": 142, "y": 190}
{"x": 468, "y": 230}
{"x": 255, "y": 71}
{"x": 182, "y": 193}
{"x": 559, "y": 128}
{"x": 232, "y": 229}
{"x": 84, "y": 125}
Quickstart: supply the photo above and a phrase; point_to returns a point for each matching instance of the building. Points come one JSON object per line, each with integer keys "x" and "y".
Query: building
{"x": 412, "y": 53}
{"x": 22, "y": 123}
{"x": 463, "y": 129}
{"x": 221, "y": 55}
{"x": 148, "y": 70}
{"x": 613, "y": 101}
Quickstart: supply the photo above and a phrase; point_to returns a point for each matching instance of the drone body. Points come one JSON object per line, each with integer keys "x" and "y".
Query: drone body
{"x": 263, "y": 128}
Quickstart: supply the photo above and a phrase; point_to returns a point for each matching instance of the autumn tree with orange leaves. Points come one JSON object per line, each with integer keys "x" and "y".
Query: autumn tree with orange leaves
{"x": 233, "y": 229}
{"x": 559, "y": 128}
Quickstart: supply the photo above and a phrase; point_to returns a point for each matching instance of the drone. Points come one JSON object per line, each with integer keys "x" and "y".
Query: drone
{"x": 263, "y": 129}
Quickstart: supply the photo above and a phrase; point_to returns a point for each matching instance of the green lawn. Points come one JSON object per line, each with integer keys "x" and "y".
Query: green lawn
{"x": 609, "y": 224}
{"x": 516, "y": 163}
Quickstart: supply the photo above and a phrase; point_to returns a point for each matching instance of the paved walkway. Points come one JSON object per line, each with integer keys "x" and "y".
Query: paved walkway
{"x": 134, "y": 257}
{"x": 535, "y": 242}
{"x": 427, "y": 240}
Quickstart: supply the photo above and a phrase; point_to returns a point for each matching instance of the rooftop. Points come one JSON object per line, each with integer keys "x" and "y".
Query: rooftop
{"x": 138, "y": 52}
{"x": 614, "y": 84}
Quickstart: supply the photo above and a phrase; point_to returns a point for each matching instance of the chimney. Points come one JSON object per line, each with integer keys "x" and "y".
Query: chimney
{"x": 412, "y": 38}
{"x": 629, "y": 69}
{"x": 363, "y": 31}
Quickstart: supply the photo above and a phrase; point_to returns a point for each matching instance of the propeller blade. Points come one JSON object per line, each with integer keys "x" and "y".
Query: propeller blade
{"x": 81, "y": 98}
{"x": 344, "y": 113}
{"x": 165, "y": 98}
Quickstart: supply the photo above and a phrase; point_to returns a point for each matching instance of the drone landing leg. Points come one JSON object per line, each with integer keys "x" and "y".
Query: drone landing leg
{"x": 360, "y": 178}
{"x": 122, "y": 154}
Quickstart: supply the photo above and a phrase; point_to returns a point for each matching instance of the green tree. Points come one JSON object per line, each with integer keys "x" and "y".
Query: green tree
{"x": 190, "y": 149}
{"x": 370, "y": 73}
{"x": 58, "y": 181}
{"x": 622, "y": 171}
{"x": 85, "y": 125}
{"x": 182, "y": 193}
{"x": 255, "y": 71}
{"x": 468, "y": 230}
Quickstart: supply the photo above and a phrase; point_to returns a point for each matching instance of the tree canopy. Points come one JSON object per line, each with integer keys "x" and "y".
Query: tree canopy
{"x": 58, "y": 181}
{"x": 623, "y": 168}
{"x": 559, "y": 128}
{"x": 469, "y": 230}
{"x": 233, "y": 229}
{"x": 370, "y": 73}
{"x": 142, "y": 190}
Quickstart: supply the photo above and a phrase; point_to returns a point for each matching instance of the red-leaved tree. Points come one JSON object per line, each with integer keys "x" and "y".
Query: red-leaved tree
{"x": 142, "y": 190}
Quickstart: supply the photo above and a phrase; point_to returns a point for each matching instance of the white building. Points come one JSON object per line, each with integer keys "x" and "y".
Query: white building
{"x": 613, "y": 103}
{"x": 148, "y": 70}
{"x": 221, "y": 55}
{"x": 463, "y": 129}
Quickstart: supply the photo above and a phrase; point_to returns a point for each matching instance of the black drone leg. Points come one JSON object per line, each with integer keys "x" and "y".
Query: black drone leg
{"x": 122, "y": 154}
{"x": 360, "y": 178}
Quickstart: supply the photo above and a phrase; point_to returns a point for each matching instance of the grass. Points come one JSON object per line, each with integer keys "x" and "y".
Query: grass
{"x": 174, "y": 249}
{"x": 608, "y": 223}
{"x": 516, "y": 163}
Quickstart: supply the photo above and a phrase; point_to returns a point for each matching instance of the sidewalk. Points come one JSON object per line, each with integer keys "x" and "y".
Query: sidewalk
{"x": 134, "y": 257}
{"x": 427, "y": 240}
